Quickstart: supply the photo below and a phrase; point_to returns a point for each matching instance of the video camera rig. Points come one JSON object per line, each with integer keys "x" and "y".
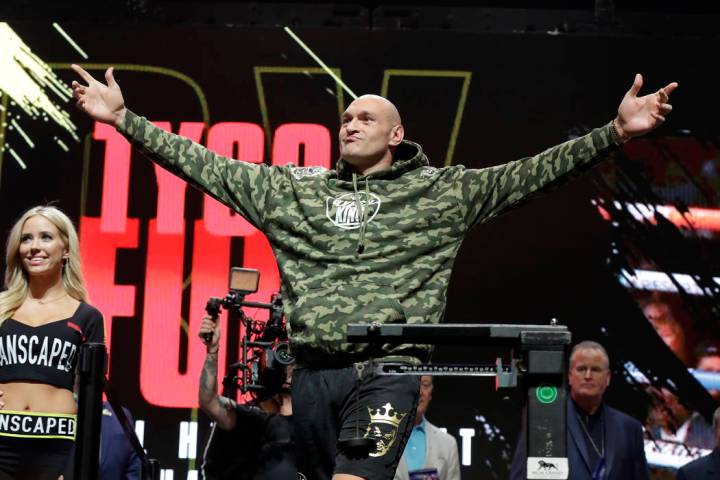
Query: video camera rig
{"x": 265, "y": 351}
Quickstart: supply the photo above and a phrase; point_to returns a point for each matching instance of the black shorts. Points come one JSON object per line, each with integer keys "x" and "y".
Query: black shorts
{"x": 34, "y": 458}
{"x": 325, "y": 412}
{"x": 35, "y": 446}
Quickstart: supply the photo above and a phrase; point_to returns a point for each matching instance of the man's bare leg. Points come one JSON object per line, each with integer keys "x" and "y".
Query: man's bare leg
{"x": 345, "y": 476}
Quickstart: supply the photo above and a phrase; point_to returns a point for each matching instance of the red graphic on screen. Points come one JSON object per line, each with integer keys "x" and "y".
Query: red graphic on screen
{"x": 164, "y": 381}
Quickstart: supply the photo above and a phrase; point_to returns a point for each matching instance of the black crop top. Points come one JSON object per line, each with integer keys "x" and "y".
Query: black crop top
{"x": 47, "y": 353}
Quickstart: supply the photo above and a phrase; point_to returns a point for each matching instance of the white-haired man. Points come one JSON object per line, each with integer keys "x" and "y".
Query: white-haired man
{"x": 602, "y": 442}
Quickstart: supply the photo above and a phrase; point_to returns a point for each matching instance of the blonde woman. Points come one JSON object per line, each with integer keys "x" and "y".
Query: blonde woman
{"x": 44, "y": 318}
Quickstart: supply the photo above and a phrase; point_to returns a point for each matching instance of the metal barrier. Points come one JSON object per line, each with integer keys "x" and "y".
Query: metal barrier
{"x": 92, "y": 382}
{"x": 539, "y": 361}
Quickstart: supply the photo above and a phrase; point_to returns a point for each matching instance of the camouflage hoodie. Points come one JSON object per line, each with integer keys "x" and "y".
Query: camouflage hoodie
{"x": 361, "y": 249}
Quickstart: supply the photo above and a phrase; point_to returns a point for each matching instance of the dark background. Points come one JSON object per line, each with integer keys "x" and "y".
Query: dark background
{"x": 539, "y": 76}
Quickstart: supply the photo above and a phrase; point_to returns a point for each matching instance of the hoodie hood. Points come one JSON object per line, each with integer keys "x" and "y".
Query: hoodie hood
{"x": 408, "y": 156}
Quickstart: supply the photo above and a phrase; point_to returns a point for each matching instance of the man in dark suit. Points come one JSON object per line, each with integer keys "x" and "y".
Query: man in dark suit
{"x": 602, "y": 442}
{"x": 118, "y": 460}
{"x": 707, "y": 467}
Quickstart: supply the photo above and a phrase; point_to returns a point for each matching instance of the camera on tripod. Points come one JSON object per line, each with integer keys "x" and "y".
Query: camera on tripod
{"x": 265, "y": 351}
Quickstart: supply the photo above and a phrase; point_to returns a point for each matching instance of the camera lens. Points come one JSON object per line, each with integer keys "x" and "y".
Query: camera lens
{"x": 282, "y": 354}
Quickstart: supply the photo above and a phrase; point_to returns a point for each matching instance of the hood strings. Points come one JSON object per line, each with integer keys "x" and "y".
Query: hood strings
{"x": 362, "y": 211}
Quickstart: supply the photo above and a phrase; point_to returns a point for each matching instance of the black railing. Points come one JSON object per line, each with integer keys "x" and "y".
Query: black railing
{"x": 92, "y": 383}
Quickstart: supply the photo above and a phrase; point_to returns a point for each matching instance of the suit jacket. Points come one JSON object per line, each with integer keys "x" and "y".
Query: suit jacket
{"x": 118, "y": 460}
{"x": 705, "y": 468}
{"x": 624, "y": 448}
{"x": 441, "y": 452}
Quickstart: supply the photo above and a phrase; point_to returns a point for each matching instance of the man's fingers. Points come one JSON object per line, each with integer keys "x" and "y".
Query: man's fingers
{"x": 202, "y": 333}
{"x": 80, "y": 71}
{"x": 670, "y": 87}
{"x": 109, "y": 78}
{"x": 78, "y": 92}
{"x": 636, "y": 86}
{"x": 207, "y": 328}
{"x": 657, "y": 117}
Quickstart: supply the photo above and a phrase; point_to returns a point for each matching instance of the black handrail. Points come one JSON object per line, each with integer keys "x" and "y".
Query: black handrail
{"x": 92, "y": 382}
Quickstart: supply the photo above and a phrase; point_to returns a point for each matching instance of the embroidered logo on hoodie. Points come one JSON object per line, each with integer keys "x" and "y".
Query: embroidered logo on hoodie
{"x": 301, "y": 172}
{"x": 428, "y": 172}
{"x": 343, "y": 211}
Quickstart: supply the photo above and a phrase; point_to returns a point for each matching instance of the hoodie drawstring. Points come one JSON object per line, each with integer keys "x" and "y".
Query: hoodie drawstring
{"x": 362, "y": 211}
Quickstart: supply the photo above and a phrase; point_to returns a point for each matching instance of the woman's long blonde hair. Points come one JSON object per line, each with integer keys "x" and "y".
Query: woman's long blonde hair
{"x": 16, "y": 278}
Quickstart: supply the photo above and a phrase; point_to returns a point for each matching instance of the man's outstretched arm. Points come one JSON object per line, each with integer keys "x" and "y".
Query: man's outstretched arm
{"x": 242, "y": 186}
{"x": 220, "y": 409}
{"x": 490, "y": 191}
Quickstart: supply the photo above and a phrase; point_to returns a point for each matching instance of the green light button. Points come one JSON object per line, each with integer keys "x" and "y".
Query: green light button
{"x": 546, "y": 394}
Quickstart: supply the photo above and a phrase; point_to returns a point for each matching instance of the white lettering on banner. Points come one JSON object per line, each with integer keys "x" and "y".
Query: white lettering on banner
{"x": 187, "y": 443}
{"x": 467, "y": 434}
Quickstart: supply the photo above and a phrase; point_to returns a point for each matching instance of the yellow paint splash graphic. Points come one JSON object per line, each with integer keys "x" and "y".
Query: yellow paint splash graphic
{"x": 25, "y": 78}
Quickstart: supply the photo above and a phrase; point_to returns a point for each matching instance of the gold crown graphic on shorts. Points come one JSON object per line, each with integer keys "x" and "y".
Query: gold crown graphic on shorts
{"x": 382, "y": 415}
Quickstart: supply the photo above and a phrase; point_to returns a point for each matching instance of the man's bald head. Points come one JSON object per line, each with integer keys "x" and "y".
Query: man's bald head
{"x": 371, "y": 129}
{"x": 386, "y": 106}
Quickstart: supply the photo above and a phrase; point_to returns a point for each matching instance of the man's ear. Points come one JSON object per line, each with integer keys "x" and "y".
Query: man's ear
{"x": 396, "y": 135}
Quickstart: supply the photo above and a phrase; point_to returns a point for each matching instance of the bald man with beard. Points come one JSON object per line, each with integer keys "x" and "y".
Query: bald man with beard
{"x": 372, "y": 240}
